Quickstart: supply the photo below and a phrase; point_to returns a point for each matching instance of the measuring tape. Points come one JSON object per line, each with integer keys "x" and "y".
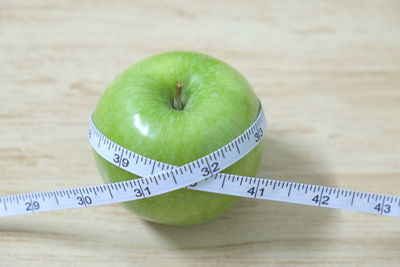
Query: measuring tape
{"x": 203, "y": 174}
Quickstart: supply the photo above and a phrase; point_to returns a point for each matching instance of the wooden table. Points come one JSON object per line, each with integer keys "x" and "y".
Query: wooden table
{"x": 328, "y": 74}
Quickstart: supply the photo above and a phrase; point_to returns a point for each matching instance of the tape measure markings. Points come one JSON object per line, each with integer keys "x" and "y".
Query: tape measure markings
{"x": 202, "y": 175}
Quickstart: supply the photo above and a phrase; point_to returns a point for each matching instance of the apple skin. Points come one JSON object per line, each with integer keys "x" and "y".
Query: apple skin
{"x": 136, "y": 111}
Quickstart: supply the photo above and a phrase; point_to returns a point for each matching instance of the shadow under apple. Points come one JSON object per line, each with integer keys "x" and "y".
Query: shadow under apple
{"x": 254, "y": 222}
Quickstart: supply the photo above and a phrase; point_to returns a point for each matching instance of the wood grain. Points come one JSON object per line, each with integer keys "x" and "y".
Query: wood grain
{"x": 327, "y": 72}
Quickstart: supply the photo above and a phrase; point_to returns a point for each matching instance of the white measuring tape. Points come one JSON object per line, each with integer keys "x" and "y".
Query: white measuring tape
{"x": 203, "y": 174}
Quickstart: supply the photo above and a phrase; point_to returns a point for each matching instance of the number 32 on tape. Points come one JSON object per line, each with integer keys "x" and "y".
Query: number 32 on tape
{"x": 204, "y": 174}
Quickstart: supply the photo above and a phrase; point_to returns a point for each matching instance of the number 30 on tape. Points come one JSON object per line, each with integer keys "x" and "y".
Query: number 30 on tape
{"x": 204, "y": 174}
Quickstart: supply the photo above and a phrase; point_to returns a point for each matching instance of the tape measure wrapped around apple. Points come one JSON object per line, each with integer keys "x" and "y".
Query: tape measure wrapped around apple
{"x": 176, "y": 107}
{"x": 183, "y": 120}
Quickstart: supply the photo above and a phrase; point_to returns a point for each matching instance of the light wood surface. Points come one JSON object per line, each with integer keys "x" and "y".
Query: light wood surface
{"x": 327, "y": 72}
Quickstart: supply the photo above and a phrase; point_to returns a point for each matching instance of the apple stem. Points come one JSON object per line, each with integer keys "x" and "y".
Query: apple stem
{"x": 178, "y": 105}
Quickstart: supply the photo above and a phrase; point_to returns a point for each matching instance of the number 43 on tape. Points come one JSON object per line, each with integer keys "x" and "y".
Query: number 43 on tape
{"x": 204, "y": 174}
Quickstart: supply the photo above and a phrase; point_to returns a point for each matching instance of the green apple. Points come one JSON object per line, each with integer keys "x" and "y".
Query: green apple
{"x": 176, "y": 107}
